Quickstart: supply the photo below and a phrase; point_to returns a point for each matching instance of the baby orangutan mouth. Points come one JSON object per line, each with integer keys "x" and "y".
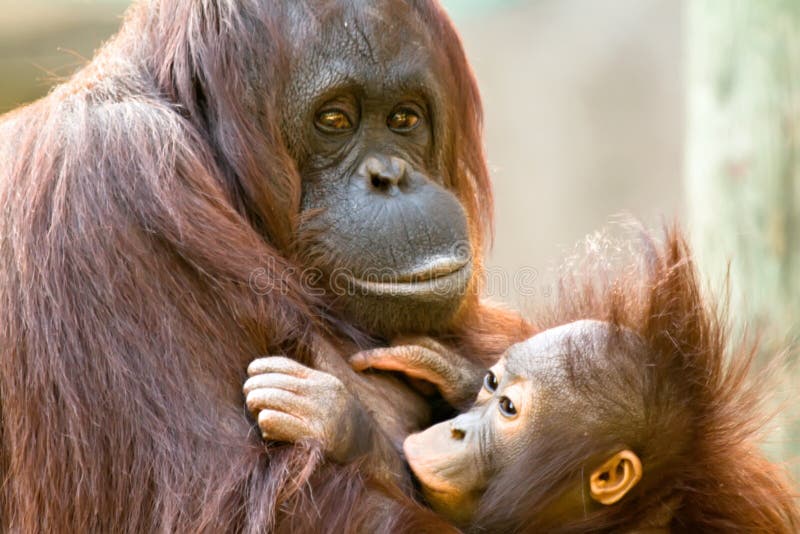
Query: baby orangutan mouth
{"x": 442, "y": 476}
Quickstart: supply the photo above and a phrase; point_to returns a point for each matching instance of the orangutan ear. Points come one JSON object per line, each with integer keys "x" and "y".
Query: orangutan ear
{"x": 614, "y": 479}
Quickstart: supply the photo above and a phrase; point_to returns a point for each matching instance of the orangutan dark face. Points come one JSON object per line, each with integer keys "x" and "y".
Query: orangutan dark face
{"x": 376, "y": 217}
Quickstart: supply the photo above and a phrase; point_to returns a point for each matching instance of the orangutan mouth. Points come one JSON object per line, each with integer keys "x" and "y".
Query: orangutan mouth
{"x": 441, "y": 277}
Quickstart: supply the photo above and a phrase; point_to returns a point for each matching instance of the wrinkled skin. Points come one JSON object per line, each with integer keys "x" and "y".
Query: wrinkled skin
{"x": 377, "y": 219}
{"x": 206, "y": 148}
{"x": 456, "y": 459}
{"x": 426, "y": 361}
{"x": 521, "y": 397}
{"x": 640, "y": 421}
{"x": 291, "y": 400}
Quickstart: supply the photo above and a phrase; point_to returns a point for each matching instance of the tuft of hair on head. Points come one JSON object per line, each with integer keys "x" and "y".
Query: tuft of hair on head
{"x": 680, "y": 393}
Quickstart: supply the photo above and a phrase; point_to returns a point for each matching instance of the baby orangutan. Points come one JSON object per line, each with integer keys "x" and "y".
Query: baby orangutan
{"x": 531, "y": 406}
{"x": 622, "y": 415}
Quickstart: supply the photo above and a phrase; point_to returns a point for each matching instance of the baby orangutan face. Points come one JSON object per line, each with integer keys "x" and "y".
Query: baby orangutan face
{"x": 528, "y": 390}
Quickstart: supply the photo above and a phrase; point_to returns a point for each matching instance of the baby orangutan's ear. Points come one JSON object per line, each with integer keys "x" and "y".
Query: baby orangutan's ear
{"x": 614, "y": 479}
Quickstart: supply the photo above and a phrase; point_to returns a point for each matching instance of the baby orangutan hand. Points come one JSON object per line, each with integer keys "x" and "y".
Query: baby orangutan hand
{"x": 457, "y": 378}
{"x": 292, "y": 402}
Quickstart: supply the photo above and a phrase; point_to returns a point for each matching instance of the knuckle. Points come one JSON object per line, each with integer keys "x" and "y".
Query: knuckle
{"x": 252, "y": 384}
{"x": 255, "y": 366}
{"x": 263, "y": 364}
{"x": 282, "y": 360}
{"x": 255, "y": 397}
{"x": 327, "y": 380}
{"x": 365, "y": 355}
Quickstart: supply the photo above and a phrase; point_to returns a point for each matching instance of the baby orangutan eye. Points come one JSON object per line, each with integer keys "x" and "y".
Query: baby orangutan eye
{"x": 507, "y": 407}
{"x": 490, "y": 382}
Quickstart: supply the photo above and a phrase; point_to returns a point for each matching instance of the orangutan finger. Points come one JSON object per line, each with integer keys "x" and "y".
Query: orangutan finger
{"x": 282, "y": 381}
{"x": 277, "y": 364}
{"x": 415, "y": 362}
{"x": 279, "y": 400}
{"x": 421, "y": 341}
{"x": 280, "y": 426}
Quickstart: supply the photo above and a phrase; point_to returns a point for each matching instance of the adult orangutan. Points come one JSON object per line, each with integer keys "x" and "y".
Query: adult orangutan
{"x": 158, "y": 211}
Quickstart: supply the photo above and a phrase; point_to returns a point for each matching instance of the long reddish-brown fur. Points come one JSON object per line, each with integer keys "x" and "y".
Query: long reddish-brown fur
{"x": 684, "y": 400}
{"x": 137, "y": 200}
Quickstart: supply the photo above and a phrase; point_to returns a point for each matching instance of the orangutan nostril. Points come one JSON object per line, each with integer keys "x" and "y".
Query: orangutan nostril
{"x": 457, "y": 433}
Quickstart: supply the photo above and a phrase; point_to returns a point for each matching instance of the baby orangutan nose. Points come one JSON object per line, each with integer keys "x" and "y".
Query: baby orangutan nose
{"x": 463, "y": 426}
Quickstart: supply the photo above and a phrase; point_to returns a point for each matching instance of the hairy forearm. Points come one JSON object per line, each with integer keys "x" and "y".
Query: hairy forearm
{"x": 368, "y": 444}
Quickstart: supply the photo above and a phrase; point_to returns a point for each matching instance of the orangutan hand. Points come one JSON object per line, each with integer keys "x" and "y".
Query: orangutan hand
{"x": 292, "y": 402}
{"x": 457, "y": 378}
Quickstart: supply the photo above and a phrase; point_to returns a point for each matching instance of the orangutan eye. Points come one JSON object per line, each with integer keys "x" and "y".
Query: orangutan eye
{"x": 403, "y": 120}
{"x": 507, "y": 407}
{"x": 490, "y": 382}
{"x": 333, "y": 120}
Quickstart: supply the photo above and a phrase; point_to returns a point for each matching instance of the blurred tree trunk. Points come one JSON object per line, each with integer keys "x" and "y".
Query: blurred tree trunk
{"x": 743, "y": 173}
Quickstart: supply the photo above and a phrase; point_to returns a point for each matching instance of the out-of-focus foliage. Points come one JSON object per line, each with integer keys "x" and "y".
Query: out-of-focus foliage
{"x": 41, "y": 41}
